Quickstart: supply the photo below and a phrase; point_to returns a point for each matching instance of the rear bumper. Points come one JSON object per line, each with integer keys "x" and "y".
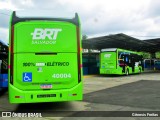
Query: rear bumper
{"x": 74, "y": 93}
{"x": 111, "y": 71}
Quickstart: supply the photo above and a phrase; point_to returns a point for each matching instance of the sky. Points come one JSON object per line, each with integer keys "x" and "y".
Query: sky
{"x": 136, "y": 18}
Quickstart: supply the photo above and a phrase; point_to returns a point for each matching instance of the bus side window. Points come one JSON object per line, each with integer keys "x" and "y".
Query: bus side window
{"x": 127, "y": 60}
{"x": 123, "y": 57}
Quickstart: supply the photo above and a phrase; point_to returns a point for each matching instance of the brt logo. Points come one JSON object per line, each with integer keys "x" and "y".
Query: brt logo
{"x": 107, "y": 55}
{"x": 42, "y": 34}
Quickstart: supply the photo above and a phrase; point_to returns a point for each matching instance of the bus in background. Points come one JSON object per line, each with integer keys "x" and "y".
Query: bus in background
{"x": 157, "y": 64}
{"x": 45, "y": 59}
{"x": 3, "y": 66}
{"x": 120, "y": 61}
{"x": 151, "y": 64}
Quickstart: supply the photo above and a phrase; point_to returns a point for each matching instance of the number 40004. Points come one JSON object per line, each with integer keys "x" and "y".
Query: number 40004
{"x": 62, "y": 75}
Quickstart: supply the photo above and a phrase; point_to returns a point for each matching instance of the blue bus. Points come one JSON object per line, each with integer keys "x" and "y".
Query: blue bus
{"x": 157, "y": 64}
{"x": 151, "y": 64}
{"x": 3, "y": 65}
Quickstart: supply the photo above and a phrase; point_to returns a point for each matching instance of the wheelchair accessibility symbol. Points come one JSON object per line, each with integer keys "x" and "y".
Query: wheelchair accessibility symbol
{"x": 27, "y": 77}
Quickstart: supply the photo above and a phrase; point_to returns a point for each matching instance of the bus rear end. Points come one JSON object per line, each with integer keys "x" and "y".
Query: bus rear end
{"x": 108, "y": 61}
{"x": 45, "y": 60}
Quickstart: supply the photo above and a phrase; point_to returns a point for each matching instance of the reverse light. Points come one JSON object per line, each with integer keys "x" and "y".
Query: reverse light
{"x": 74, "y": 94}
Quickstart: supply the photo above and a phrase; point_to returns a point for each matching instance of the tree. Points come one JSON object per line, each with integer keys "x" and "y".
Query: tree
{"x": 146, "y": 55}
{"x": 84, "y": 37}
{"x": 157, "y": 54}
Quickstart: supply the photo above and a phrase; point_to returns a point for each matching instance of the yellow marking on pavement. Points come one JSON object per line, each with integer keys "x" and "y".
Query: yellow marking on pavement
{"x": 89, "y": 76}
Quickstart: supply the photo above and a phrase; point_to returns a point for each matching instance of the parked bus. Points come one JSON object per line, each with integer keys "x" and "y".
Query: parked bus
{"x": 157, "y": 65}
{"x": 120, "y": 61}
{"x": 45, "y": 59}
{"x": 3, "y": 66}
{"x": 152, "y": 64}
{"x": 3, "y": 70}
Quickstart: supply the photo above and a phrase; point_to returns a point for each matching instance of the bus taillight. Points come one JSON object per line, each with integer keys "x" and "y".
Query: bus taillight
{"x": 78, "y": 54}
{"x": 12, "y": 55}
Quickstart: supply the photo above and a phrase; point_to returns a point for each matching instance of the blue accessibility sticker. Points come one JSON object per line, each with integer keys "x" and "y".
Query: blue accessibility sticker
{"x": 27, "y": 77}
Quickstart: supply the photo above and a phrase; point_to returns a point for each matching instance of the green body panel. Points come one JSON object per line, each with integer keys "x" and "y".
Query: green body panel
{"x": 50, "y": 72}
{"x": 109, "y": 63}
{"x": 66, "y": 39}
{"x": 48, "y": 57}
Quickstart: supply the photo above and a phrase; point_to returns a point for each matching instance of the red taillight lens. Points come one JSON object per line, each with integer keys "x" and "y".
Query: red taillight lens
{"x": 74, "y": 94}
{"x": 17, "y": 96}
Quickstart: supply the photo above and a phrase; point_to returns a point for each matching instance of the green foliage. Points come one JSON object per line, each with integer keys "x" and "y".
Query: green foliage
{"x": 157, "y": 54}
{"x": 146, "y": 55}
{"x": 84, "y": 37}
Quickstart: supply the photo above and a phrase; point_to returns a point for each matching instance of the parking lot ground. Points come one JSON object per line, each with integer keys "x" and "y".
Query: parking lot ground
{"x": 142, "y": 94}
{"x": 139, "y": 92}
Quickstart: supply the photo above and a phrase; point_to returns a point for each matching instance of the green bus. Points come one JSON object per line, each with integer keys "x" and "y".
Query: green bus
{"x": 45, "y": 59}
{"x": 120, "y": 61}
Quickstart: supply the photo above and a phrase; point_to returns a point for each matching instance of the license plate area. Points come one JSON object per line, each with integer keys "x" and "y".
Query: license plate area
{"x": 46, "y": 86}
{"x": 46, "y": 95}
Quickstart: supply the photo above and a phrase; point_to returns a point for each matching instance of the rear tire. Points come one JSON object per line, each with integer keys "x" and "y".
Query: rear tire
{"x": 127, "y": 72}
